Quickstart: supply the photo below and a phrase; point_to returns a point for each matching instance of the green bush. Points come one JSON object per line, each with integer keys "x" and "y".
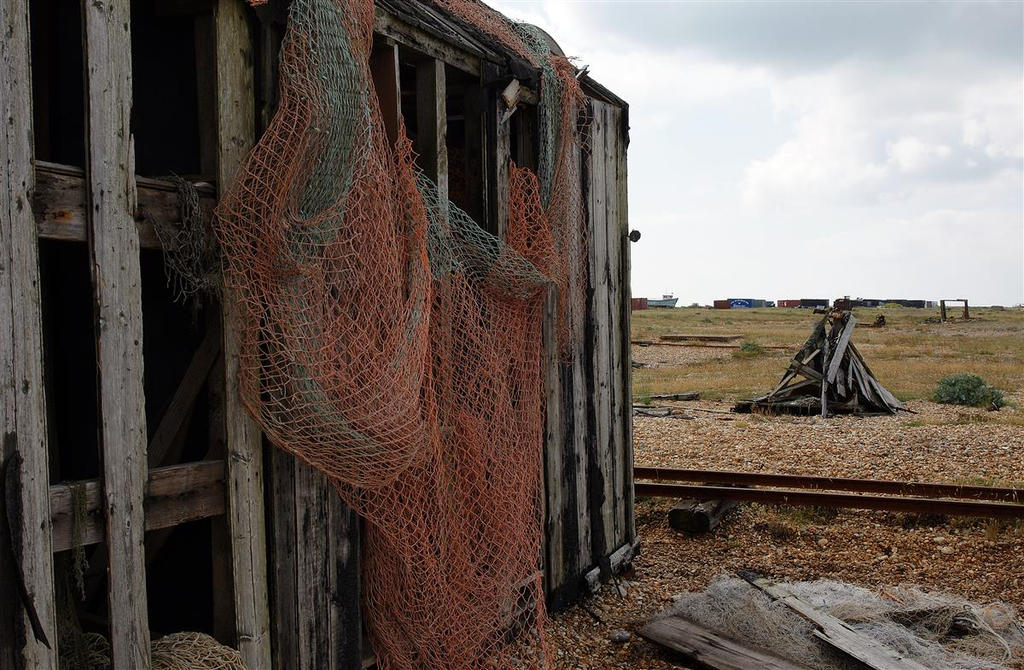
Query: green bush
{"x": 968, "y": 390}
{"x": 749, "y": 349}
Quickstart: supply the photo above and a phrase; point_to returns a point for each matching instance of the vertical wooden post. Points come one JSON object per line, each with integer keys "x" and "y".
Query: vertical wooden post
{"x": 384, "y": 71}
{"x": 502, "y": 155}
{"x": 23, "y": 403}
{"x": 117, "y": 291}
{"x": 235, "y": 137}
{"x": 967, "y": 312}
{"x": 432, "y": 125}
{"x": 942, "y": 311}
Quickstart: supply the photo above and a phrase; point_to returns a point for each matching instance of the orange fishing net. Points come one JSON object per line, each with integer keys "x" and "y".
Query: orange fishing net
{"x": 394, "y": 345}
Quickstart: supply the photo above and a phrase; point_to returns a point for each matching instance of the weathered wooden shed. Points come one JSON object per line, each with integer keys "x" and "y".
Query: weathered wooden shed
{"x": 124, "y": 439}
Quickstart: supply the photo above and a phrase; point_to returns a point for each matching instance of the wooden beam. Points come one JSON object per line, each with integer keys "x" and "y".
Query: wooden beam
{"x": 432, "y": 126}
{"x": 420, "y": 40}
{"x": 708, "y": 648}
{"x": 836, "y": 632}
{"x": 23, "y": 431}
{"x": 235, "y": 137}
{"x": 117, "y": 291}
{"x": 387, "y": 84}
{"x": 59, "y": 204}
{"x": 174, "y": 495}
{"x": 498, "y": 170}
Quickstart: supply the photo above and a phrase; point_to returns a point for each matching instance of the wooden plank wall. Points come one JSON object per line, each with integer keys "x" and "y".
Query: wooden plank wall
{"x": 609, "y": 330}
{"x": 588, "y": 435}
{"x": 23, "y": 451}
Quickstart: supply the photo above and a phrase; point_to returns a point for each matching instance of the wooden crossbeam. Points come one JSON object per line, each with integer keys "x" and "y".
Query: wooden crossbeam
{"x": 59, "y": 204}
{"x": 174, "y": 495}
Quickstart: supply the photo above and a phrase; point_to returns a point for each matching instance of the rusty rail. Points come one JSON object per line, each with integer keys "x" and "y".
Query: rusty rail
{"x": 920, "y": 489}
{"x": 995, "y": 510}
{"x": 806, "y": 490}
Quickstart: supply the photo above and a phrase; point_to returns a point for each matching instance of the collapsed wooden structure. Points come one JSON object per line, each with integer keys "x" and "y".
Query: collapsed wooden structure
{"x": 120, "y": 404}
{"x": 827, "y": 376}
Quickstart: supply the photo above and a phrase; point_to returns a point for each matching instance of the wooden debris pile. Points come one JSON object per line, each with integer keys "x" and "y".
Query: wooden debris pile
{"x": 753, "y": 622}
{"x": 827, "y": 376}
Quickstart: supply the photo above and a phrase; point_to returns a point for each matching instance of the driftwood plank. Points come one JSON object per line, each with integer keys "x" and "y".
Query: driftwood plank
{"x": 175, "y": 495}
{"x": 709, "y": 648}
{"x": 235, "y": 137}
{"x": 835, "y": 631}
{"x": 114, "y": 255}
{"x": 22, "y": 404}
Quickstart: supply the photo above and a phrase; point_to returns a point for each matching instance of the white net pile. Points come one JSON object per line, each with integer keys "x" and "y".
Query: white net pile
{"x": 937, "y": 631}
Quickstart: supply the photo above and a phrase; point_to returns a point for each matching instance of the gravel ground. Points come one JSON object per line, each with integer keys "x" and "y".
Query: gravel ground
{"x": 978, "y": 560}
{"x": 657, "y": 356}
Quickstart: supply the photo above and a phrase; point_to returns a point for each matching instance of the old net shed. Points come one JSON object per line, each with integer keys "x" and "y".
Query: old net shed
{"x": 192, "y": 436}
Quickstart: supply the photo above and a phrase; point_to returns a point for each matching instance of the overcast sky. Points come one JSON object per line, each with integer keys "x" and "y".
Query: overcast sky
{"x": 799, "y": 149}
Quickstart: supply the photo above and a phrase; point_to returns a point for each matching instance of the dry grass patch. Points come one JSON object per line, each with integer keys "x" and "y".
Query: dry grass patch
{"x": 908, "y": 356}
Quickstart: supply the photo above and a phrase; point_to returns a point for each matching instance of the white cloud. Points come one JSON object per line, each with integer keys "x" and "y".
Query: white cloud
{"x": 762, "y": 131}
{"x": 911, "y": 154}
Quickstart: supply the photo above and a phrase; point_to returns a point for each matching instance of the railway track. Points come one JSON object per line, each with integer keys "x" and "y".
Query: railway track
{"x": 804, "y": 490}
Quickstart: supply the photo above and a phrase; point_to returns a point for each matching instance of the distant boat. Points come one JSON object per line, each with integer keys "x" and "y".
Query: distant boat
{"x": 666, "y": 301}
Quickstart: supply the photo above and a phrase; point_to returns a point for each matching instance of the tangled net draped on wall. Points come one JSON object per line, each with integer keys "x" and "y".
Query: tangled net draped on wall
{"x": 397, "y": 347}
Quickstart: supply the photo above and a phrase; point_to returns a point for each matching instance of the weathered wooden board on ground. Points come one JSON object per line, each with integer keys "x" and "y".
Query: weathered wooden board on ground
{"x": 835, "y": 631}
{"x": 683, "y": 395}
{"x": 709, "y": 648}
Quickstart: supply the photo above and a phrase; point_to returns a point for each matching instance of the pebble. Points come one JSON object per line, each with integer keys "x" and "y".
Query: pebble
{"x": 620, "y": 636}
